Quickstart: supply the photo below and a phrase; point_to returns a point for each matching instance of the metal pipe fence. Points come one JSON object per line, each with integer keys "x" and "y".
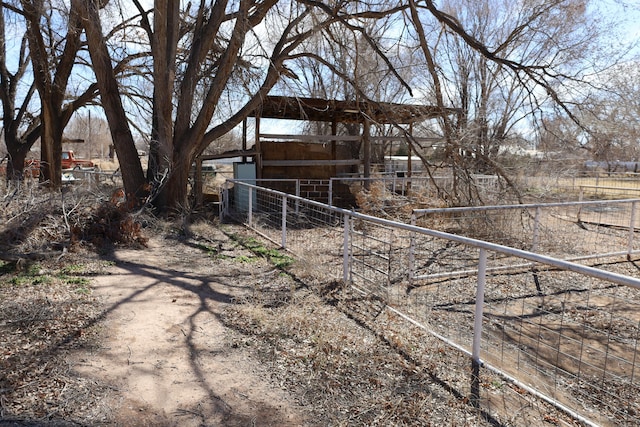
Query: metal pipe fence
{"x": 313, "y": 189}
{"x": 597, "y": 185}
{"x": 340, "y": 191}
{"x": 587, "y": 231}
{"x": 565, "y": 332}
{"x": 389, "y": 186}
{"x": 91, "y": 178}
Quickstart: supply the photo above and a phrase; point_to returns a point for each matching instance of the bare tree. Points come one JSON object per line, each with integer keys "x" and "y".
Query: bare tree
{"x": 213, "y": 62}
{"x": 201, "y": 56}
{"x": 612, "y": 116}
{"x": 359, "y": 69}
{"x": 503, "y": 64}
{"x": 19, "y": 123}
{"x": 53, "y": 54}
{"x": 132, "y": 173}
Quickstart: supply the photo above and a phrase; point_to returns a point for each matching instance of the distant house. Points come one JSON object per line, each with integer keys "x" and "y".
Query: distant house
{"x": 401, "y": 165}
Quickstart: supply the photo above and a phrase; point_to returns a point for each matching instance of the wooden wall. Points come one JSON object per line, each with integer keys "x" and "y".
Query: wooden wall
{"x": 306, "y": 153}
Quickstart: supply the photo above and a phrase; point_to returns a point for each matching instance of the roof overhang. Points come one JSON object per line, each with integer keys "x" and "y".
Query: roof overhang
{"x": 323, "y": 110}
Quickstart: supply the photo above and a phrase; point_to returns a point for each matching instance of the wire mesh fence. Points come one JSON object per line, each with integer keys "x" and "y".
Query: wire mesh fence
{"x": 588, "y": 231}
{"x": 565, "y": 332}
{"x": 583, "y": 184}
{"x": 392, "y": 186}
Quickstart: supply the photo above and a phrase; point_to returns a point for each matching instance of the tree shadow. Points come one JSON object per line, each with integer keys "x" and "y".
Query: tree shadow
{"x": 213, "y": 291}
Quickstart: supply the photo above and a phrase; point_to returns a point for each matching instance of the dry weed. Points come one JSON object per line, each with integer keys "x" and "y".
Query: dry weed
{"x": 46, "y": 308}
{"x": 38, "y": 220}
{"x": 47, "y": 313}
{"x": 345, "y": 371}
{"x": 346, "y": 357}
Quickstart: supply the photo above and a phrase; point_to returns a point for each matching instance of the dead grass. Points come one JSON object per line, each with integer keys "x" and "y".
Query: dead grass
{"x": 347, "y": 358}
{"x": 48, "y": 254}
{"x": 46, "y": 313}
{"x": 352, "y": 361}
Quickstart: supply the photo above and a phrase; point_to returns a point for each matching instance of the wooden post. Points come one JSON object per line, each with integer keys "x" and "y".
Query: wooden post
{"x": 366, "y": 141}
{"x": 197, "y": 180}
{"x": 258, "y": 156}
{"x": 244, "y": 139}
{"x": 334, "y": 148}
{"x": 409, "y": 164}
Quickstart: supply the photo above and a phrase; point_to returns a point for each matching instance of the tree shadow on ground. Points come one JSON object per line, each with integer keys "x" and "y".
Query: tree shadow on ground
{"x": 212, "y": 291}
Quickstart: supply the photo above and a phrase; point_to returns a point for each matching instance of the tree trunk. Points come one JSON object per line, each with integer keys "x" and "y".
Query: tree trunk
{"x": 175, "y": 189}
{"x": 50, "y": 148}
{"x": 164, "y": 46}
{"x": 130, "y": 166}
{"x": 15, "y": 164}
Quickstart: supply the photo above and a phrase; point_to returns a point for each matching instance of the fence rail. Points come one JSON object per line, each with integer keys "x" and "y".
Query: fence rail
{"x": 564, "y": 331}
{"x": 398, "y": 184}
{"x": 586, "y": 231}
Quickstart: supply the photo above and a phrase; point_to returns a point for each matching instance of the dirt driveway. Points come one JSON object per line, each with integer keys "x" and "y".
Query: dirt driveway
{"x": 166, "y": 353}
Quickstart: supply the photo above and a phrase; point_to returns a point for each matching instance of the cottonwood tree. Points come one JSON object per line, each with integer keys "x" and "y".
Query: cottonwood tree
{"x": 19, "y": 123}
{"x": 45, "y": 61}
{"x": 609, "y": 120}
{"x": 106, "y": 78}
{"x": 502, "y": 63}
{"x": 612, "y": 116}
{"x": 53, "y": 54}
{"x": 201, "y": 57}
{"x": 365, "y": 65}
{"x": 558, "y": 134}
{"x": 213, "y": 62}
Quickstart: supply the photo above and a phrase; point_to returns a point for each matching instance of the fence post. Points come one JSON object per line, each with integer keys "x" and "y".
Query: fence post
{"x": 345, "y": 249}
{"x": 222, "y": 208}
{"x": 250, "y": 214}
{"x": 536, "y": 230}
{"x": 412, "y": 250}
{"x": 477, "y": 329}
{"x": 284, "y": 222}
{"x": 297, "y": 202}
{"x": 330, "y": 201}
{"x": 632, "y": 224}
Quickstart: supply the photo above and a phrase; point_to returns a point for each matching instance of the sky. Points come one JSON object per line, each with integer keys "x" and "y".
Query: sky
{"x": 627, "y": 13}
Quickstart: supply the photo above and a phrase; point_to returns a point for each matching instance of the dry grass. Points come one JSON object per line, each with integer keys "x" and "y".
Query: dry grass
{"x": 46, "y": 314}
{"x": 48, "y": 254}
{"x": 352, "y": 361}
{"x": 347, "y": 358}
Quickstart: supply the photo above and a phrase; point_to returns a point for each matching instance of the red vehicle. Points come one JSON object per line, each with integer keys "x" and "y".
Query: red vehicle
{"x": 70, "y": 161}
{"x": 31, "y": 168}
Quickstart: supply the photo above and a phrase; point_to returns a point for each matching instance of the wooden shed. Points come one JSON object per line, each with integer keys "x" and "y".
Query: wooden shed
{"x": 326, "y": 156}
{"x": 321, "y": 157}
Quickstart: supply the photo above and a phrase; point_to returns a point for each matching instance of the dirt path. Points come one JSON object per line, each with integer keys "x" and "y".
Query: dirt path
{"x": 166, "y": 353}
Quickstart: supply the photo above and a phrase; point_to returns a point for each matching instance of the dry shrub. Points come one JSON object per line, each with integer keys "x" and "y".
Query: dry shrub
{"x": 35, "y": 219}
{"x": 372, "y": 199}
{"x": 109, "y": 224}
{"x": 379, "y": 201}
{"x": 47, "y": 311}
